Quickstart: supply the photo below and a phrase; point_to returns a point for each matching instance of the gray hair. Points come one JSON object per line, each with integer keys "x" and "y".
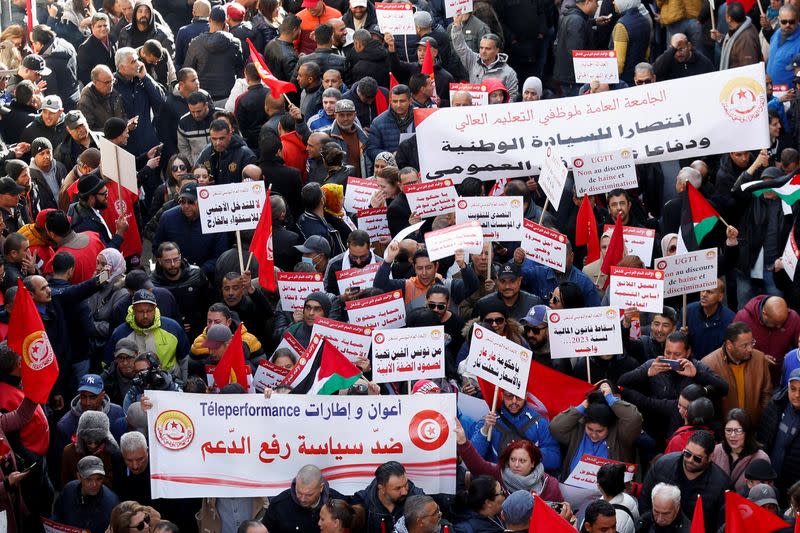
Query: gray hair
{"x": 415, "y": 507}
{"x": 624, "y": 5}
{"x": 362, "y": 36}
{"x": 332, "y": 92}
{"x": 122, "y": 54}
{"x": 644, "y": 67}
{"x": 309, "y": 474}
{"x": 98, "y": 69}
{"x": 688, "y": 174}
{"x": 132, "y": 441}
{"x": 667, "y": 492}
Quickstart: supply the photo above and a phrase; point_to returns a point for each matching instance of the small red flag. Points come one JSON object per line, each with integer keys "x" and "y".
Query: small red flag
{"x": 615, "y": 251}
{"x": 392, "y": 81}
{"x": 231, "y": 367}
{"x": 27, "y": 337}
{"x": 744, "y": 516}
{"x": 427, "y": 68}
{"x": 586, "y": 231}
{"x": 31, "y": 16}
{"x": 698, "y": 520}
{"x": 261, "y": 248}
{"x": 545, "y": 518}
{"x": 278, "y": 87}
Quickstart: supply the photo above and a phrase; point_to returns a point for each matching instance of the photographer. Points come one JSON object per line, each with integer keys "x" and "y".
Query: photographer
{"x": 149, "y": 376}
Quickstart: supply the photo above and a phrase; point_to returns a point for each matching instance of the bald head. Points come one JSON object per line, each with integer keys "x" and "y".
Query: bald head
{"x": 678, "y": 39}
{"x": 775, "y": 312}
{"x": 461, "y": 99}
{"x": 252, "y": 173}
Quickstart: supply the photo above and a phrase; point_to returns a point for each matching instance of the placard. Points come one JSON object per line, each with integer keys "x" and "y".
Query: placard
{"x": 290, "y": 343}
{"x": 688, "y": 273}
{"x": 456, "y": 7}
{"x": 350, "y": 339}
{"x": 49, "y": 526}
{"x": 467, "y": 236}
{"x": 230, "y": 207}
{"x": 431, "y": 198}
{"x": 789, "y": 257}
{"x": 358, "y": 194}
{"x": 362, "y": 278}
{"x": 637, "y": 287}
{"x": 499, "y": 216}
{"x": 602, "y": 173}
{"x": 638, "y": 241}
{"x": 584, "y": 475}
{"x": 599, "y": 65}
{"x": 499, "y": 361}
{"x": 268, "y": 375}
{"x": 544, "y": 245}
{"x": 384, "y": 311}
{"x": 117, "y": 164}
{"x": 480, "y": 96}
{"x": 375, "y": 223}
{"x": 403, "y": 233}
{"x": 408, "y": 354}
{"x": 294, "y": 288}
{"x": 588, "y": 331}
{"x": 397, "y": 19}
{"x": 553, "y": 177}
{"x": 244, "y": 445}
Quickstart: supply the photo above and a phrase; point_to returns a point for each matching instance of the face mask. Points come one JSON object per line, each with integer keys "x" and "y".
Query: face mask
{"x": 309, "y": 260}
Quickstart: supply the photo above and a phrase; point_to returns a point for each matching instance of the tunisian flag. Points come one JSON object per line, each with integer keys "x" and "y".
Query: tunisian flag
{"x": 427, "y": 68}
{"x": 27, "y": 337}
{"x": 231, "y": 367}
{"x": 261, "y": 247}
{"x": 545, "y": 518}
{"x": 744, "y": 516}
{"x": 586, "y": 231}
{"x": 278, "y": 87}
{"x": 698, "y": 520}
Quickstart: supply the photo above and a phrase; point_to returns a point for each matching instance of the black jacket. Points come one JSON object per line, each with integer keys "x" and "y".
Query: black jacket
{"x": 286, "y": 515}
{"x": 12, "y": 124}
{"x": 376, "y": 513}
{"x": 283, "y": 244}
{"x": 166, "y": 122}
{"x": 574, "y": 33}
{"x": 250, "y": 114}
{"x": 131, "y": 36}
{"x": 37, "y": 128}
{"x": 371, "y": 17}
{"x": 191, "y": 291}
{"x": 281, "y": 58}
{"x": 646, "y": 524}
{"x": 768, "y": 430}
{"x": 442, "y": 77}
{"x": 366, "y": 113}
{"x": 244, "y": 31}
{"x": 667, "y": 68}
{"x": 226, "y": 167}
{"x": 327, "y": 59}
{"x": 85, "y": 218}
{"x": 92, "y": 52}
{"x": 285, "y": 181}
{"x": 372, "y": 61}
{"x": 62, "y": 59}
{"x": 217, "y": 58}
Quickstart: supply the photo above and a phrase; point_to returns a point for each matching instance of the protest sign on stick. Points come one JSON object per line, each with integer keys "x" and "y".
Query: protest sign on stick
{"x": 408, "y": 354}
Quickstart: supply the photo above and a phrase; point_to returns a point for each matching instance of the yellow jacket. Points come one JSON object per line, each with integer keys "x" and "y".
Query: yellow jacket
{"x": 252, "y": 342}
{"x": 671, "y": 11}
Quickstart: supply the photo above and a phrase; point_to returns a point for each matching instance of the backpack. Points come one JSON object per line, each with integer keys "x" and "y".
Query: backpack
{"x": 514, "y": 433}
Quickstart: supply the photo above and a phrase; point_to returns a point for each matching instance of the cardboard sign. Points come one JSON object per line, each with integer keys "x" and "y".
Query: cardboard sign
{"x": 445, "y": 242}
{"x": 638, "y": 241}
{"x": 397, "y": 19}
{"x": 688, "y": 273}
{"x": 356, "y": 277}
{"x": 408, "y": 354}
{"x": 499, "y": 361}
{"x": 294, "y": 288}
{"x": 117, "y": 164}
{"x": 789, "y": 257}
{"x": 553, "y": 177}
{"x": 358, "y": 194}
{"x": 602, "y": 173}
{"x": 480, "y": 96}
{"x": 544, "y": 245}
{"x": 432, "y": 198}
{"x": 290, "y": 343}
{"x": 352, "y": 340}
{"x": 268, "y": 376}
{"x": 230, "y": 207}
{"x": 456, "y": 7}
{"x": 212, "y": 384}
{"x": 374, "y": 222}
{"x": 637, "y": 287}
{"x": 584, "y": 475}
{"x": 48, "y": 525}
{"x": 588, "y": 331}
{"x": 385, "y": 311}
{"x": 599, "y": 65}
{"x": 499, "y": 216}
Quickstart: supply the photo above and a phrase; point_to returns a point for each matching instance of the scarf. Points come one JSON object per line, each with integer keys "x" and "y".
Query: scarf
{"x": 115, "y": 260}
{"x": 403, "y": 123}
{"x": 727, "y": 44}
{"x": 533, "y": 481}
{"x": 346, "y": 260}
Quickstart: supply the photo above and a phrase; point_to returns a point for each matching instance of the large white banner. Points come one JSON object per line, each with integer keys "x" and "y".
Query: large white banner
{"x": 247, "y": 445}
{"x": 690, "y": 117}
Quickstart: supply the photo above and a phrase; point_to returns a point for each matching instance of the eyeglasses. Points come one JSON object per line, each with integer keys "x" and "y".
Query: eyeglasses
{"x": 184, "y": 201}
{"x": 696, "y": 458}
{"x": 103, "y": 194}
{"x": 437, "y": 512}
{"x": 503, "y": 492}
{"x": 643, "y": 82}
{"x": 492, "y": 321}
{"x": 529, "y": 329}
{"x": 178, "y": 167}
{"x": 141, "y": 525}
{"x": 785, "y": 22}
{"x": 734, "y": 431}
{"x": 434, "y": 306}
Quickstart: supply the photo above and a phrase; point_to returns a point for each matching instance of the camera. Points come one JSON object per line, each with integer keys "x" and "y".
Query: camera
{"x": 152, "y": 378}
{"x": 556, "y": 506}
{"x": 359, "y": 389}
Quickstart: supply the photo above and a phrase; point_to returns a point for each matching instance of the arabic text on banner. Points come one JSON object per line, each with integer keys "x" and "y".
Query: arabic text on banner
{"x": 230, "y": 207}
{"x": 408, "y": 354}
{"x": 584, "y": 332}
{"x": 499, "y": 361}
{"x": 637, "y": 287}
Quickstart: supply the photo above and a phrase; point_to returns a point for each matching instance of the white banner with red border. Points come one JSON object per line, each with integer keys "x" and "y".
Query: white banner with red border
{"x": 544, "y": 245}
{"x": 351, "y": 340}
{"x": 602, "y": 173}
{"x": 375, "y": 222}
{"x": 499, "y": 361}
{"x": 384, "y": 311}
{"x": 444, "y": 242}
{"x": 362, "y": 278}
{"x": 431, "y": 198}
{"x": 595, "y": 65}
{"x": 688, "y": 273}
{"x": 294, "y": 288}
{"x": 397, "y": 19}
{"x": 478, "y": 92}
{"x": 584, "y": 475}
{"x": 358, "y": 194}
{"x": 499, "y": 216}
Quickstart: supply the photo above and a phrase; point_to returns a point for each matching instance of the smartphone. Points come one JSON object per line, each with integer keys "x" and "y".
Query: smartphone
{"x": 159, "y": 148}
{"x": 676, "y": 365}
{"x": 103, "y": 276}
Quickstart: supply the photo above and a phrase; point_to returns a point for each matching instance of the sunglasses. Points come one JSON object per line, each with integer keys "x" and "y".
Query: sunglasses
{"x": 529, "y": 329}
{"x": 785, "y": 22}
{"x": 141, "y": 525}
{"x": 492, "y": 321}
{"x": 186, "y": 201}
{"x": 434, "y": 306}
{"x": 643, "y": 82}
{"x": 176, "y": 168}
{"x": 696, "y": 458}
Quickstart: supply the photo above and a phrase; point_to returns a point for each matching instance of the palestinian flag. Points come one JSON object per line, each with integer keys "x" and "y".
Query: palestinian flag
{"x": 698, "y": 218}
{"x": 322, "y": 369}
{"x": 787, "y": 188}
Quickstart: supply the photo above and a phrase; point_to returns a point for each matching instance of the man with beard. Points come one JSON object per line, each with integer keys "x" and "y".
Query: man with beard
{"x": 78, "y": 140}
{"x": 650, "y": 346}
{"x": 86, "y": 216}
{"x": 187, "y": 283}
{"x": 46, "y": 176}
{"x": 389, "y": 126}
{"x": 297, "y": 508}
{"x": 143, "y": 26}
{"x": 536, "y": 333}
{"x": 382, "y": 503}
{"x": 438, "y": 301}
{"x": 248, "y": 302}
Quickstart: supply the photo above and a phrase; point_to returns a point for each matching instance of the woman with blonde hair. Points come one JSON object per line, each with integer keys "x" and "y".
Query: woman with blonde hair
{"x": 10, "y": 55}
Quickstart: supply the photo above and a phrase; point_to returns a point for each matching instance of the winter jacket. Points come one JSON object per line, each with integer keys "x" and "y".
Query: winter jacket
{"x": 85, "y": 218}
{"x": 92, "y": 52}
{"x": 672, "y": 11}
{"x": 327, "y": 59}
{"x": 139, "y": 98}
{"x": 193, "y": 136}
{"x": 37, "y": 128}
{"x": 286, "y": 515}
{"x": 706, "y": 334}
{"x": 250, "y": 114}
{"x": 772, "y": 341}
{"x": 217, "y": 58}
{"x": 474, "y": 30}
{"x": 666, "y": 67}
{"x": 285, "y": 180}
{"x": 253, "y": 345}
{"x": 743, "y": 46}
{"x": 98, "y": 108}
{"x": 542, "y": 281}
{"x": 473, "y": 522}
{"x": 197, "y": 248}
{"x": 735, "y": 470}
{"x": 34, "y": 435}
{"x": 131, "y": 36}
{"x": 372, "y": 61}
{"x": 91, "y": 513}
{"x": 647, "y": 524}
{"x": 631, "y": 42}
{"x": 366, "y": 113}
{"x": 61, "y": 58}
{"x": 384, "y": 134}
{"x": 757, "y": 382}
{"x": 767, "y": 433}
{"x": 568, "y": 428}
{"x": 68, "y": 424}
{"x": 226, "y": 167}
{"x": 574, "y": 33}
{"x": 477, "y": 70}
{"x": 370, "y": 18}
{"x": 378, "y": 519}
{"x": 184, "y": 37}
{"x": 166, "y": 123}
{"x": 191, "y": 291}
{"x": 311, "y": 224}
{"x": 281, "y": 58}
{"x": 442, "y": 78}
{"x": 14, "y": 123}
{"x": 244, "y": 31}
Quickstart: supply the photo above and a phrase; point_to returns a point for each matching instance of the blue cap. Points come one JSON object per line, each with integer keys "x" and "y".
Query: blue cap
{"x": 517, "y": 508}
{"x": 91, "y": 383}
{"x": 536, "y": 316}
{"x": 217, "y": 14}
{"x": 795, "y": 375}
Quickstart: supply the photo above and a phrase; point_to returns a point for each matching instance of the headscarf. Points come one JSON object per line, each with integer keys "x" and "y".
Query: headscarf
{"x": 533, "y": 83}
{"x": 387, "y": 158}
{"x": 665, "y": 240}
{"x": 334, "y": 199}
{"x": 115, "y": 261}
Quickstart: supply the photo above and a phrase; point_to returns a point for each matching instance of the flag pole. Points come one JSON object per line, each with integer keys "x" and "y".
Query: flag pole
{"x": 494, "y": 407}
{"x": 588, "y": 370}
{"x": 489, "y": 263}
{"x": 250, "y": 254}
{"x": 544, "y": 210}
{"x": 239, "y": 248}
{"x": 684, "y": 310}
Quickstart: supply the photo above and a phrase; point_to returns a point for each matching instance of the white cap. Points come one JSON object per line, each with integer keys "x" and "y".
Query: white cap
{"x": 358, "y": 3}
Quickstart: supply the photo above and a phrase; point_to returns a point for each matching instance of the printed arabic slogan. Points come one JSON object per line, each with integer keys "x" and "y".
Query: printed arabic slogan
{"x": 670, "y": 120}
{"x": 243, "y": 445}
{"x": 584, "y": 332}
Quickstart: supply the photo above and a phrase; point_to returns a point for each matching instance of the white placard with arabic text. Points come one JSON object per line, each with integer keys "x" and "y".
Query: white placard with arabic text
{"x": 384, "y": 311}
{"x": 230, "y": 207}
{"x": 351, "y": 340}
{"x": 595, "y": 65}
{"x": 408, "y": 354}
{"x": 499, "y": 361}
{"x": 688, "y": 273}
{"x": 294, "y": 288}
{"x": 445, "y": 242}
{"x": 456, "y": 7}
{"x": 588, "y": 331}
{"x": 358, "y": 194}
{"x": 499, "y": 216}
{"x": 638, "y": 241}
{"x": 584, "y": 475}
{"x": 545, "y": 246}
{"x": 553, "y": 177}
{"x": 397, "y": 19}
{"x": 637, "y": 287}
{"x": 789, "y": 257}
{"x": 431, "y": 198}
{"x": 480, "y": 96}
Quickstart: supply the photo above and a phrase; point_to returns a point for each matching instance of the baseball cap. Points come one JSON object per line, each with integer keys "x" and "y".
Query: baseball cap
{"x": 310, "y": 3}
{"x": 143, "y": 296}
{"x": 431, "y": 40}
{"x": 9, "y": 186}
{"x": 345, "y": 106}
{"x": 217, "y": 14}
{"x": 794, "y": 375}
{"x": 316, "y": 244}
{"x": 36, "y": 63}
{"x": 426, "y": 386}
{"x": 91, "y": 383}
{"x": 52, "y": 103}
{"x": 509, "y": 270}
{"x": 216, "y": 336}
{"x": 75, "y": 118}
{"x": 537, "y": 315}
{"x": 126, "y": 348}
{"x": 189, "y": 191}
{"x": 760, "y": 470}
{"x": 517, "y": 507}
{"x": 235, "y": 11}
{"x": 358, "y": 3}
{"x": 91, "y": 465}
{"x": 762, "y": 494}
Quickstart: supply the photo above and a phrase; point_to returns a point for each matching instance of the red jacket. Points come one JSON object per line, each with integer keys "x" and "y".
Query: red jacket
{"x": 294, "y": 153}
{"x": 677, "y": 443}
{"x": 35, "y": 435}
{"x": 84, "y": 247}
